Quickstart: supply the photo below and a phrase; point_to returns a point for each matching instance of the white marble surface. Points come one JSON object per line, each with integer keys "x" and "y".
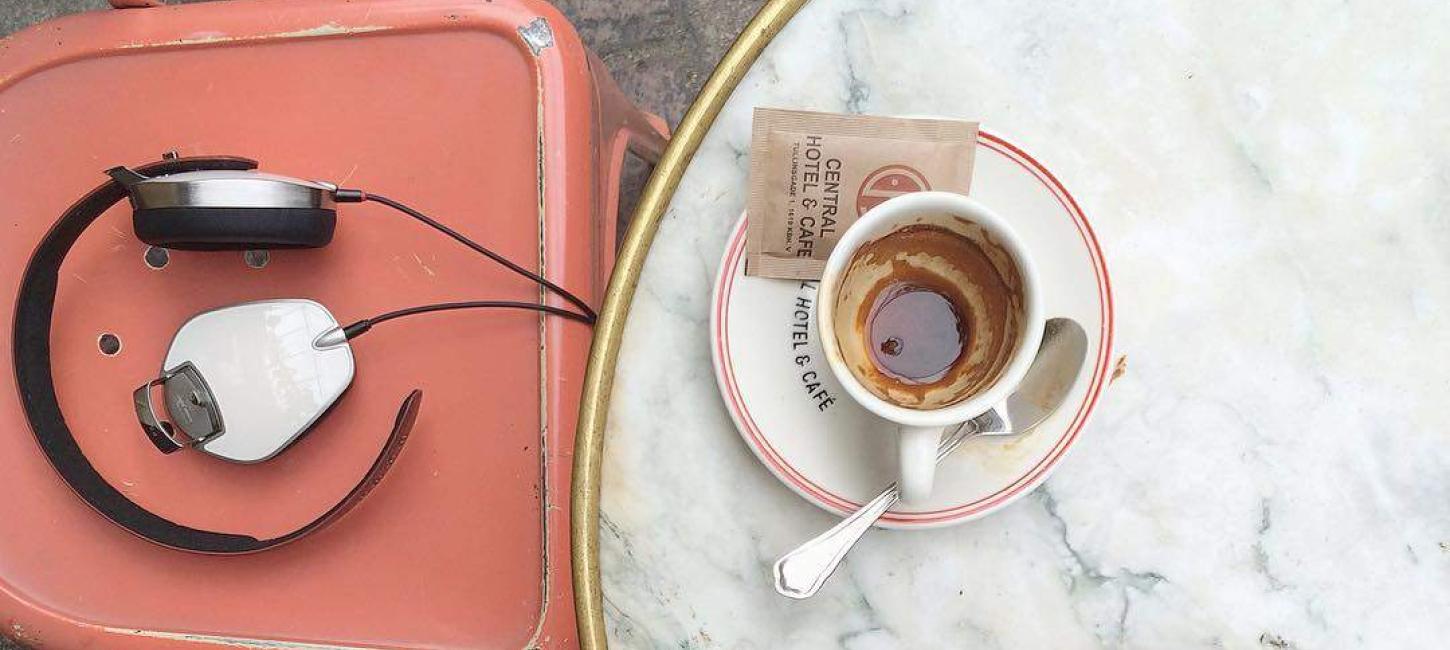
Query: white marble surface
{"x": 1271, "y": 183}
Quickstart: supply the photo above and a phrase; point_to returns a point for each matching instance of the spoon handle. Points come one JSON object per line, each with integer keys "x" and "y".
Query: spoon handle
{"x": 800, "y": 573}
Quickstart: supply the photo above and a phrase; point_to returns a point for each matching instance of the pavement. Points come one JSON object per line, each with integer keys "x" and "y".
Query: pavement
{"x": 660, "y": 52}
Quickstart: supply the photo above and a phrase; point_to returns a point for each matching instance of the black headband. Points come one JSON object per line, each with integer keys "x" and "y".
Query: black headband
{"x": 33, "y": 311}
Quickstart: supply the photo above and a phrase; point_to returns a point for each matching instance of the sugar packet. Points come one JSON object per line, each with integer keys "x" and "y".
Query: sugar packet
{"x": 813, "y": 174}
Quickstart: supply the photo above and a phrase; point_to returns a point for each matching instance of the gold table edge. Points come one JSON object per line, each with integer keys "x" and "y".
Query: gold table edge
{"x": 608, "y": 330}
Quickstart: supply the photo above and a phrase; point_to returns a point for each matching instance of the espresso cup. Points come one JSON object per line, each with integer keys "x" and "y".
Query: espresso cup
{"x": 929, "y": 312}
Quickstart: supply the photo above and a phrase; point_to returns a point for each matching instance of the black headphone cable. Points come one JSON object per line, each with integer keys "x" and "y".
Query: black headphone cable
{"x": 588, "y": 315}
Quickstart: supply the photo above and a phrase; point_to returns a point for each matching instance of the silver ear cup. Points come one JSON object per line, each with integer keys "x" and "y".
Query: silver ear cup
{"x": 223, "y": 189}
{"x": 229, "y": 210}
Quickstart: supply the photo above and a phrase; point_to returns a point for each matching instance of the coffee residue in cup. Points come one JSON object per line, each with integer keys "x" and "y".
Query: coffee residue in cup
{"x": 916, "y": 331}
{"x": 928, "y": 316}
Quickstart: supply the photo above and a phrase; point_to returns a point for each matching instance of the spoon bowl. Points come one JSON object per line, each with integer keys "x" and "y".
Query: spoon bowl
{"x": 1053, "y": 373}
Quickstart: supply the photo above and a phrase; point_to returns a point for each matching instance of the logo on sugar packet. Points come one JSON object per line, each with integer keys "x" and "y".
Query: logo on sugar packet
{"x": 888, "y": 182}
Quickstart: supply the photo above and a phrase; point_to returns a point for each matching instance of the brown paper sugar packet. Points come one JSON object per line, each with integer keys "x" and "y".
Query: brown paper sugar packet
{"x": 813, "y": 174}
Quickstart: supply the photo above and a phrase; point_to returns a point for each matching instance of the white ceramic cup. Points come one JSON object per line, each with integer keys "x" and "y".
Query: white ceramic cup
{"x": 921, "y": 430}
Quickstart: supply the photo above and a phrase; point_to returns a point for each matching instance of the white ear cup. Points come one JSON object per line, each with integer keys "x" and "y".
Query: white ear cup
{"x": 266, "y": 378}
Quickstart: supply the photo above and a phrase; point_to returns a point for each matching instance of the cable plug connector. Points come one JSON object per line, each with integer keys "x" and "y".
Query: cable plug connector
{"x": 357, "y": 329}
{"x": 344, "y": 195}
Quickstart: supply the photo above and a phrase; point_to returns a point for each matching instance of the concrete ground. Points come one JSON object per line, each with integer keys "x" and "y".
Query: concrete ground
{"x": 660, "y": 51}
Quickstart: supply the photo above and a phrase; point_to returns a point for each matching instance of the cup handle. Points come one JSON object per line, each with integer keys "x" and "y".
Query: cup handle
{"x": 917, "y": 455}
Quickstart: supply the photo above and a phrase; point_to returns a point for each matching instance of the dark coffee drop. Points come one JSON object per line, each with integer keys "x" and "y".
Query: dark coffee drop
{"x": 916, "y": 333}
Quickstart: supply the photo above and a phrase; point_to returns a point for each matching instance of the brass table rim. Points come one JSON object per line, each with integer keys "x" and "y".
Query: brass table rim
{"x": 604, "y": 353}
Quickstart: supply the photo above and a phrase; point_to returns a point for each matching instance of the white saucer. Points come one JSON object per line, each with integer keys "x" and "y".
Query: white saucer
{"x": 839, "y": 455}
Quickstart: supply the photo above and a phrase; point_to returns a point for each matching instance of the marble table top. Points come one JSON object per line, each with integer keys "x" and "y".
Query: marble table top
{"x": 1271, "y": 185}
